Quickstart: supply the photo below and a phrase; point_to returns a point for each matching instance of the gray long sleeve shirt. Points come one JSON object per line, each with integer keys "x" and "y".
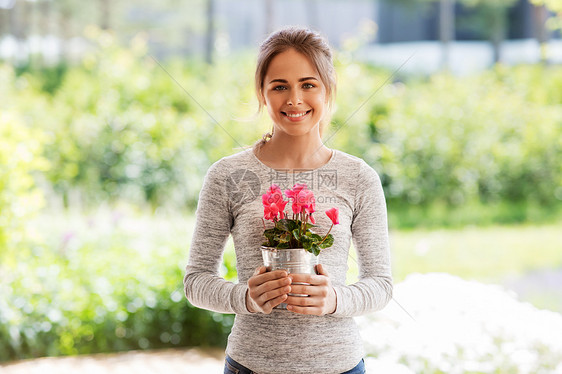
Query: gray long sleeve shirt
{"x": 284, "y": 342}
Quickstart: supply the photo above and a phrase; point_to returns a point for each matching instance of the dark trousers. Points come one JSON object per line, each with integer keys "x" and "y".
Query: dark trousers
{"x": 233, "y": 367}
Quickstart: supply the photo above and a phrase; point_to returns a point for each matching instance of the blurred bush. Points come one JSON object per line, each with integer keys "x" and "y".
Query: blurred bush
{"x": 99, "y": 284}
{"x": 21, "y": 163}
{"x": 123, "y": 126}
{"x": 490, "y": 142}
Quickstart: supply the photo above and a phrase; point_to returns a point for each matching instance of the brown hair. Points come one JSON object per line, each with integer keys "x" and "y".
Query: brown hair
{"x": 307, "y": 42}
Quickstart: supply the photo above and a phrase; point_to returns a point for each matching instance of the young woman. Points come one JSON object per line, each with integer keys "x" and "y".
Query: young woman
{"x": 295, "y": 81}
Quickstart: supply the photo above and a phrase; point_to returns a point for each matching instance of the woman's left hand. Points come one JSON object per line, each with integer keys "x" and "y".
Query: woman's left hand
{"x": 321, "y": 297}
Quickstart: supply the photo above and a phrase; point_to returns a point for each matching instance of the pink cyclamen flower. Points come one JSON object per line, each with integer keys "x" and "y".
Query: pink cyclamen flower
{"x": 273, "y": 203}
{"x": 270, "y": 212}
{"x": 303, "y": 199}
{"x": 333, "y": 215}
{"x": 273, "y": 195}
{"x": 281, "y": 204}
{"x": 298, "y": 187}
{"x": 311, "y": 207}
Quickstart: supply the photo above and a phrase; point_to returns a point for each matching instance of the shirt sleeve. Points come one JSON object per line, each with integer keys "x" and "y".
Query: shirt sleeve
{"x": 369, "y": 230}
{"x": 203, "y": 285}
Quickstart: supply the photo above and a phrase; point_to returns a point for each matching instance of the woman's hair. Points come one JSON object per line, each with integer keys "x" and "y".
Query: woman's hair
{"x": 307, "y": 42}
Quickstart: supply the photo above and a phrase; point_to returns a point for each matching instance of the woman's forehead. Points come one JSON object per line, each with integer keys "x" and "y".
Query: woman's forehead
{"x": 290, "y": 64}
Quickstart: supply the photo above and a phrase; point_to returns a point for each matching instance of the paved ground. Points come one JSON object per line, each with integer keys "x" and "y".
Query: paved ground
{"x": 176, "y": 361}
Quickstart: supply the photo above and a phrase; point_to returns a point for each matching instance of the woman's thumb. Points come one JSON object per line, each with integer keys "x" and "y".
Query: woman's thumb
{"x": 320, "y": 270}
{"x": 260, "y": 270}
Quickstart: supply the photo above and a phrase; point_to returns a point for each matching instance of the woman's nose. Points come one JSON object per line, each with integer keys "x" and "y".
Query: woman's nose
{"x": 295, "y": 98}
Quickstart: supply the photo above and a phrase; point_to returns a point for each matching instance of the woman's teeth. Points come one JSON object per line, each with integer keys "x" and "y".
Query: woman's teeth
{"x": 296, "y": 115}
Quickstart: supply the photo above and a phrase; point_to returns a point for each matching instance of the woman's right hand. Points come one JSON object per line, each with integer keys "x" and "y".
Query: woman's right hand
{"x": 266, "y": 290}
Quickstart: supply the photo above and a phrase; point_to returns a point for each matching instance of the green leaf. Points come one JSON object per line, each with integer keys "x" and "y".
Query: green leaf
{"x": 296, "y": 234}
{"x": 285, "y": 237}
{"x": 328, "y": 242}
{"x": 270, "y": 234}
{"x": 306, "y": 242}
{"x": 286, "y": 225}
{"x": 317, "y": 238}
{"x": 315, "y": 249}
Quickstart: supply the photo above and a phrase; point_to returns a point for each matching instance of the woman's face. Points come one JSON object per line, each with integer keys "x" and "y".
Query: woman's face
{"x": 293, "y": 93}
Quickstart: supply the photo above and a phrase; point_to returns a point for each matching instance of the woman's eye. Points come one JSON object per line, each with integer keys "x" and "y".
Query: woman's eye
{"x": 308, "y": 85}
{"x": 279, "y": 88}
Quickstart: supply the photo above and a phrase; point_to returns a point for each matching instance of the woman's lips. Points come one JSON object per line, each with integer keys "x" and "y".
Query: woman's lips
{"x": 296, "y": 116}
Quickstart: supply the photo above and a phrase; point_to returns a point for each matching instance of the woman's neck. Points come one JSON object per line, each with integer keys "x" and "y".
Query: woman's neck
{"x": 294, "y": 153}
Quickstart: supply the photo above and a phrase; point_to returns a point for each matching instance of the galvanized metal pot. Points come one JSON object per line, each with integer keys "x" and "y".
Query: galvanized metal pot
{"x": 294, "y": 260}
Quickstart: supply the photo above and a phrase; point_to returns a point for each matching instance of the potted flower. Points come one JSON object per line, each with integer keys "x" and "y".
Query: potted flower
{"x": 290, "y": 242}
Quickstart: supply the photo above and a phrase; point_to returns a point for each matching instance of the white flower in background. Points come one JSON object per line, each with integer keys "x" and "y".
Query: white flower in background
{"x": 450, "y": 325}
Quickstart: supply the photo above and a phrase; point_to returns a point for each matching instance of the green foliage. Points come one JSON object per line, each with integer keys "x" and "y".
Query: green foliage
{"x": 20, "y": 157}
{"x": 120, "y": 126}
{"x": 294, "y": 233}
{"x": 49, "y": 78}
{"x": 111, "y": 285}
{"x": 452, "y": 142}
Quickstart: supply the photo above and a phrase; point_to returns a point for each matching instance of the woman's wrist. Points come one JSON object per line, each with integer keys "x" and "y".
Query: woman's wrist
{"x": 335, "y": 298}
{"x": 249, "y": 303}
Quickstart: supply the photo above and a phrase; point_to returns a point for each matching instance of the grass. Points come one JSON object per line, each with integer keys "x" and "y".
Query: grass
{"x": 485, "y": 253}
{"x": 402, "y": 215}
{"x": 492, "y": 254}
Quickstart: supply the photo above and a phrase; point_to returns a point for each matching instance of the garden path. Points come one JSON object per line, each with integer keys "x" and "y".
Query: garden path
{"x": 177, "y": 361}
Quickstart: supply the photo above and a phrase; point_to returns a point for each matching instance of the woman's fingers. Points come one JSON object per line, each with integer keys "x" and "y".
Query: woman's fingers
{"x": 310, "y": 290}
{"x": 303, "y": 300}
{"x": 320, "y": 270}
{"x": 321, "y": 297}
{"x": 261, "y": 276}
{"x": 274, "y": 302}
{"x": 271, "y": 294}
{"x": 262, "y": 288}
{"x": 315, "y": 305}
{"x": 315, "y": 280}
{"x": 266, "y": 290}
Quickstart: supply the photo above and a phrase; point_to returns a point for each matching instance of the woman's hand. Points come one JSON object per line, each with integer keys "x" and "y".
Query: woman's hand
{"x": 321, "y": 295}
{"x": 266, "y": 290}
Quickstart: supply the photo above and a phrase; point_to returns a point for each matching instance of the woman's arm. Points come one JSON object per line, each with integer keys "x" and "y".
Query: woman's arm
{"x": 203, "y": 285}
{"x": 369, "y": 230}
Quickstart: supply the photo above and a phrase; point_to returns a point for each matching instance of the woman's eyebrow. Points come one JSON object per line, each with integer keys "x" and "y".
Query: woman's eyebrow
{"x": 300, "y": 80}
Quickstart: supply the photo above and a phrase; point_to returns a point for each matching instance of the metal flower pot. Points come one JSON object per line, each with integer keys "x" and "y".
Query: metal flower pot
{"x": 294, "y": 260}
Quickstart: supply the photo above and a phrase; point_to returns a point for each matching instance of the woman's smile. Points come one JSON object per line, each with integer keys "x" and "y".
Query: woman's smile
{"x": 296, "y": 116}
